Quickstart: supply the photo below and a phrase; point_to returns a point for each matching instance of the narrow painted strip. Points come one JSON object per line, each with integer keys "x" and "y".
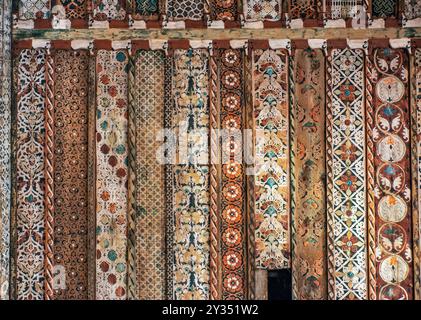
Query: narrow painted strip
{"x": 416, "y": 166}
{"x": 111, "y": 177}
{"x": 5, "y": 149}
{"x": 232, "y": 177}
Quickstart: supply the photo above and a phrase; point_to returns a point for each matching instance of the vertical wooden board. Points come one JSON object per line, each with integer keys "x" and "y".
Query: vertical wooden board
{"x": 191, "y": 175}
{"x": 29, "y": 184}
{"x": 111, "y": 177}
{"x": 70, "y": 172}
{"x": 271, "y": 118}
{"x": 346, "y": 178}
{"x": 308, "y": 141}
{"x": 387, "y": 72}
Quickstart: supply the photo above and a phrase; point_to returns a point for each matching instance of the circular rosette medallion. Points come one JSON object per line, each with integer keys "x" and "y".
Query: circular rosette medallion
{"x": 393, "y": 269}
{"x": 392, "y": 238}
{"x": 231, "y": 58}
{"x": 232, "y": 214}
{"x": 231, "y": 79}
{"x": 232, "y": 260}
{"x": 391, "y": 148}
{"x": 390, "y": 89}
{"x": 392, "y": 208}
{"x": 393, "y": 292}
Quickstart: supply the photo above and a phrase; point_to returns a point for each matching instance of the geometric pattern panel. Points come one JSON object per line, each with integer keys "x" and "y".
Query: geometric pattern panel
{"x": 346, "y": 184}
{"x": 70, "y": 172}
{"x": 384, "y": 8}
{"x": 75, "y": 9}
{"x": 270, "y": 103}
{"x": 258, "y": 10}
{"x": 111, "y": 174}
{"x": 191, "y": 175}
{"x": 308, "y": 204}
{"x": 145, "y": 8}
{"x": 185, "y": 9}
{"x": 34, "y": 9}
{"x": 150, "y": 193}
{"x": 304, "y": 9}
{"x": 389, "y": 162}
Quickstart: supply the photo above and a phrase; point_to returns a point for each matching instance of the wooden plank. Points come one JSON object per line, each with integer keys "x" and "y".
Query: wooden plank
{"x": 261, "y": 281}
{"x": 217, "y": 34}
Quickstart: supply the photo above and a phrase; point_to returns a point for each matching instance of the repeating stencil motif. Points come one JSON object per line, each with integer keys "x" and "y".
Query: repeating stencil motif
{"x": 145, "y": 8}
{"x": 150, "y": 175}
{"x": 338, "y": 9}
{"x": 270, "y": 101}
{"x": 308, "y": 141}
{"x": 185, "y": 9}
{"x": 191, "y": 175}
{"x": 70, "y": 171}
{"x": 304, "y": 9}
{"x": 5, "y": 148}
{"x": 75, "y": 9}
{"x": 412, "y": 9}
{"x": 346, "y": 169}
{"x": 223, "y": 9}
{"x": 416, "y": 122}
{"x": 109, "y": 9}
{"x": 392, "y": 189}
{"x": 262, "y": 9}
{"x": 384, "y": 8}
{"x": 169, "y": 176}
{"x": 111, "y": 177}
{"x": 30, "y": 139}
{"x": 34, "y": 9}
{"x": 233, "y": 240}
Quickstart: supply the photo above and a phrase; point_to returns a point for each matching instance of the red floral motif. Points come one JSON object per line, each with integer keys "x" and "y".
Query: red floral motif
{"x": 232, "y": 237}
{"x": 348, "y": 182}
{"x": 233, "y": 283}
{"x": 232, "y": 260}
{"x": 232, "y": 214}
{"x": 347, "y": 92}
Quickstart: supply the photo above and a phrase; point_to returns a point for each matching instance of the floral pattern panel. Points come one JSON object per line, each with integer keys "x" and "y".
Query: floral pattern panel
{"x": 5, "y": 148}
{"x": 111, "y": 175}
{"x": 272, "y": 203}
{"x": 191, "y": 175}
{"x": 29, "y": 177}
{"x": 387, "y": 73}
{"x": 260, "y": 10}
